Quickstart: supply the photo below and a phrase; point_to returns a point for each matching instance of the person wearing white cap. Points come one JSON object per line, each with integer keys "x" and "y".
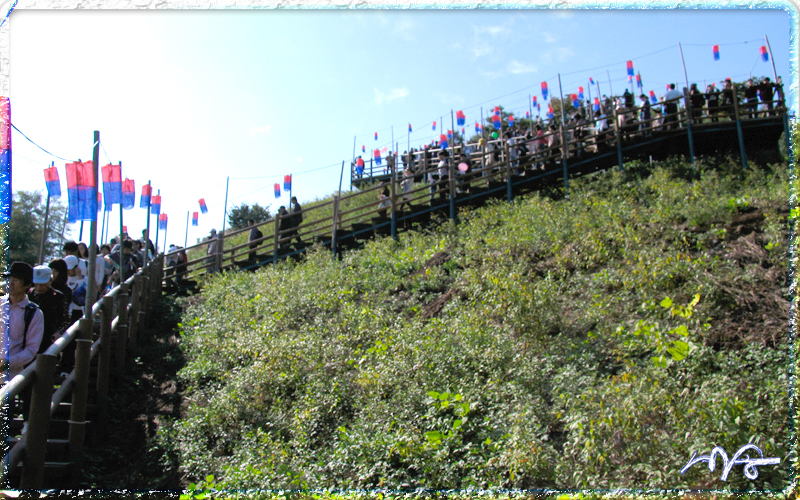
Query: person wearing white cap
{"x": 77, "y": 283}
{"x": 53, "y": 304}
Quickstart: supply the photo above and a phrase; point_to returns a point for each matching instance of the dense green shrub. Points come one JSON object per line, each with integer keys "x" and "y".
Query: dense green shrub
{"x": 592, "y": 341}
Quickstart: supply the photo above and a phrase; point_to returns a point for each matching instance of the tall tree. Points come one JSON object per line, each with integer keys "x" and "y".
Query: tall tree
{"x": 238, "y": 216}
{"x": 27, "y": 221}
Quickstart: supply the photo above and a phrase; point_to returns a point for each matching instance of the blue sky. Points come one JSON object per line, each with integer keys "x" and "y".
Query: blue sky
{"x": 186, "y": 98}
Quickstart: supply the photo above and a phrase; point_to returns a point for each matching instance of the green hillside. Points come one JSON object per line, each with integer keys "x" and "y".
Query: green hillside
{"x": 587, "y": 342}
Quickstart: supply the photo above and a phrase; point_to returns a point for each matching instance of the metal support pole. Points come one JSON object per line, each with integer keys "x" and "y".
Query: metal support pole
{"x": 77, "y": 418}
{"x": 739, "y": 126}
{"x": 91, "y": 288}
{"x": 122, "y": 327}
{"x": 618, "y": 140}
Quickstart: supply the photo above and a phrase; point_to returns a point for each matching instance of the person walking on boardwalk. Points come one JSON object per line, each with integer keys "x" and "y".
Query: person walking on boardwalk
{"x": 52, "y": 303}
{"x": 296, "y": 216}
{"x": 255, "y": 234}
{"x": 22, "y": 322}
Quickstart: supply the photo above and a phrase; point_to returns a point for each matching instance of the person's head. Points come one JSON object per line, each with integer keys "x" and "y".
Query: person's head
{"x": 105, "y": 249}
{"x": 127, "y": 246}
{"x": 42, "y": 277}
{"x": 294, "y": 198}
{"x": 72, "y": 266}
{"x": 213, "y": 233}
{"x": 83, "y": 250}
{"x": 70, "y": 248}
{"x": 251, "y": 222}
{"x": 672, "y": 86}
{"x": 138, "y": 245}
{"x": 766, "y": 79}
{"x": 281, "y": 210}
{"x": 643, "y": 97}
{"x": 694, "y": 86}
{"x": 20, "y": 278}
{"x": 59, "y": 268}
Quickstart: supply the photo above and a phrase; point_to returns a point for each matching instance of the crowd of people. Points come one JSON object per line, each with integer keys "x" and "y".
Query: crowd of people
{"x": 586, "y": 126}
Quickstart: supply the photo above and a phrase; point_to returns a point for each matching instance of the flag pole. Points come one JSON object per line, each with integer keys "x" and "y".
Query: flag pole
{"x": 147, "y": 227}
{"x": 155, "y": 247}
{"x": 165, "y": 241}
{"x": 44, "y": 229}
{"x": 186, "y": 238}
{"x": 91, "y": 292}
{"x": 772, "y": 59}
{"x": 341, "y": 176}
{"x": 351, "y": 166}
{"x": 610, "y": 89}
{"x": 685, "y": 76}
{"x": 121, "y": 240}
{"x": 225, "y": 213}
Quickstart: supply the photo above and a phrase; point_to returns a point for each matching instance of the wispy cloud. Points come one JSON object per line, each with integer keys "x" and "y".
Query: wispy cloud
{"x": 393, "y": 94}
{"x": 492, "y": 30}
{"x": 515, "y": 67}
{"x": 260, "y": 130}
{"x": 404, "y": 29}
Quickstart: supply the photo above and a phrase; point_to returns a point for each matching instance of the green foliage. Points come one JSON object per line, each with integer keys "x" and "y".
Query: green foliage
{"x": 514, "y": 350}
{"x": 239, "y": 215}
{"x": 27, "y": 222}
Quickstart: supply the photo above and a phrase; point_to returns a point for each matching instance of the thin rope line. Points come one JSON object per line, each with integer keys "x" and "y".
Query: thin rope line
{"x": 38, "y": 146}
{"x": 9, "y": 13}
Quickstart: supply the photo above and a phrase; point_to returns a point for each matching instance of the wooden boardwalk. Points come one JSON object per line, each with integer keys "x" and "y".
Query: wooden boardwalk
{"x": 358, "y": 216}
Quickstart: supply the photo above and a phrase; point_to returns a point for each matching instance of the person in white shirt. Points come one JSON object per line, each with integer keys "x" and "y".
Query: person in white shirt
{"x": 20, "y": 342}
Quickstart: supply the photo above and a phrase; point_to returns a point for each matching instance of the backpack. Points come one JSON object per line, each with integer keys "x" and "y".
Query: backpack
{"x": 30, "y": 310}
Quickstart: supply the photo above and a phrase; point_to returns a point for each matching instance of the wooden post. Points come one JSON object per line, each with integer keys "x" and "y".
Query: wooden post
{"x": 393, "y": 194}
{"x": 564, "y": 154}
{"x": 739, "y": 125}
{"x": 44, "y": 229}
{"x": 277, "y": 237}
{"x": 507, "y": 159}
{"x": 618, "y": 139}
{"x": 122, "y": 327}
{"x": 452, "y": 185}
{"x": 38, "y": 423}
{"x": 104, "y": 362}
{"x": 687, "y": 103}
{"x": 218, "y": 255}
{"x": 77, "y": 418}
{"x": 133, "y": 314}
{"x": 141, "y": 306}
{"x": 335, "y": 220}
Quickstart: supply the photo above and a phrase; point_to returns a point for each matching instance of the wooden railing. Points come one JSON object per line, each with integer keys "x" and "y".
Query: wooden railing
{"x": 492, "y": 169}
{"x": 116, "y": 320}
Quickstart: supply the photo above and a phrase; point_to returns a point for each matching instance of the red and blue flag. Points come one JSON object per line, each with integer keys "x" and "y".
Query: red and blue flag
{"x": 591, "y": 81}
{"x": 376, "y": 136}
{"x": 162, "y": 222}
{"x": 477, "y": 127}
{"x": 155, "y": 205}
{"x": 580, "y": 93}
{"x": 496, "y": 122}
{"x": 363, "y": 149}
{"x": 277, "y": 190}
{"x": 442, "y": 141}
{"x": 128, "y": 194}
{"x": 52, "y": 182}
{"x": 534, "y": 101}
{"x": 112, "y": 184}
{"x": 544, "y": 90}
{"x": 653, "y": 99}
{"x": 575, "y": 102}
{"x": 409, "y": 128}
{"x": 550, "y": 112}
{"x": 510, "y": 120}
{"x": 377, "y": 155}
{"x": 764, "y": 53}
{"x": 528, "y": 115}
{"x": 639, "y": 80}
{"x": 99, "y": 201}
{"x": 715, "y": 51}
{"x": 596, "y": 104}
{"x": 434, "y": 126}
{"x": 195, "y": 217}
{"x": 460, "y": 118}
{"x": 144, "y": 199}
{"x": 81, "y": 188}
{"x": 287, "y": 182}
{"x": 203, "y": 206}
{"x": 630, "y": 68}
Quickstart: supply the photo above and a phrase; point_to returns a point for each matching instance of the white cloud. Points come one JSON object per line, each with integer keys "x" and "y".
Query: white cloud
{"x": 548, "y": 37}
{"x": 481, "y": 49}
{"x": 515, "y": 67}
{"x": 393, "y": 94}
{"x": 260, "y": 130}
{"x": 492, "y": 30}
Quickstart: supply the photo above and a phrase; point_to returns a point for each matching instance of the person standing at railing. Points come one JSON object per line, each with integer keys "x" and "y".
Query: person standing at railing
{"x": 698, "y": 100}
{"x": 727, "y": 99}
{"x": 712, "y": 97}
{"x": 296, "y": 215}
{"x": 644, "y": 116}
{"x": 22, "y": 322}
{"x": 751, "y": 97}
{"x": 211, "y": 251}
{"x": 671, "y": 103}
{"x": 406, "y": 185}
{"x": 767, "y": 92}
{"x": 52, "y": 304}
{"x": 59, "y": 269}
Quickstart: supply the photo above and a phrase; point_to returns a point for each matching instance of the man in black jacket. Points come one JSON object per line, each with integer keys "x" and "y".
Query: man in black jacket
{"x": 52, "y": 303}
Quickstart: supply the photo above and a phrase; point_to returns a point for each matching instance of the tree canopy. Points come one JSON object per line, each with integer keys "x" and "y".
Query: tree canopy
{"x": 239, "y": 215}
{"x": 25, "y": 229}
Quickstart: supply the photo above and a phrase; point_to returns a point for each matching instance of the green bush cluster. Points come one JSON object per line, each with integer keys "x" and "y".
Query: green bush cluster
{"x": 570, "y": 343}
